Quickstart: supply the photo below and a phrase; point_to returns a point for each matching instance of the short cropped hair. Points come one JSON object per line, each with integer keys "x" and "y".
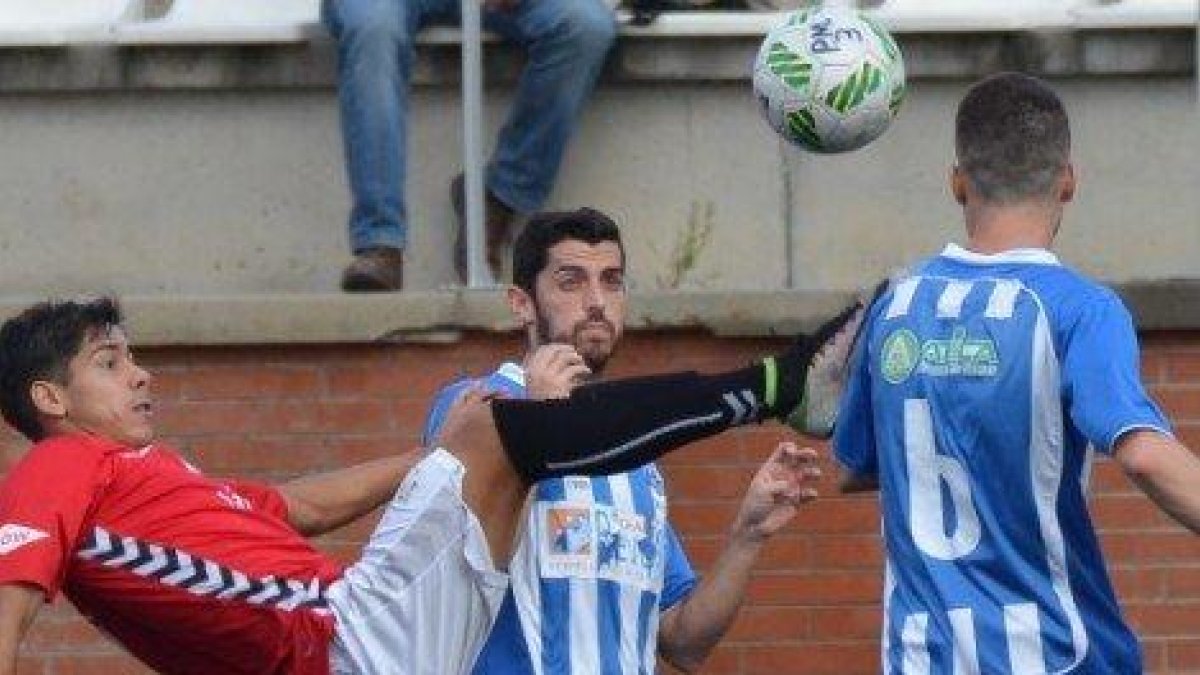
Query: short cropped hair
{"x": 1012, "y": 138}
{"x": 38, "y": 344}
{"x": 531, "y": 252}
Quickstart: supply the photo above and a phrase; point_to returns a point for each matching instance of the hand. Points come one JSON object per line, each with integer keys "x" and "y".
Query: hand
{"x": 468, "y": 422}
{"x": 785, "y": 481}
{"x": 552, "y": 371}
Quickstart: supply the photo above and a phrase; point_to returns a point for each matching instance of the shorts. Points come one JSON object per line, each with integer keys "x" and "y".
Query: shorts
{"x": 425, "y": 593}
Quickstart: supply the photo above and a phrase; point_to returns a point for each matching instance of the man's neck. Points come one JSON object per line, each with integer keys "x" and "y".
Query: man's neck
{"x": 996, "y": 229}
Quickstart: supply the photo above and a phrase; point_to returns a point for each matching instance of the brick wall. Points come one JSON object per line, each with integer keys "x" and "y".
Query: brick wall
{"x": 274, "y": 412}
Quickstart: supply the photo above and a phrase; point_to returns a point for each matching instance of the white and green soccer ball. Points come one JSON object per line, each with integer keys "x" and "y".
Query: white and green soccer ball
{"x": 829, "y": 79}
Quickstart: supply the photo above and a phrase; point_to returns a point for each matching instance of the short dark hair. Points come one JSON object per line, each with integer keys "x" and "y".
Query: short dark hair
{"x": 1012, "y": 138}
{"x": 531, "y": 250}
{"x": 38, "y": 344}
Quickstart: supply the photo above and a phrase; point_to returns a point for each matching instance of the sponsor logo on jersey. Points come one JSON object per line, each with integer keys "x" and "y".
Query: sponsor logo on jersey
{"x": 13, "y": 537}
{"x": 904, "y": 353}
{"x": 596, "y": 541}
{"x": 233, "y": 500}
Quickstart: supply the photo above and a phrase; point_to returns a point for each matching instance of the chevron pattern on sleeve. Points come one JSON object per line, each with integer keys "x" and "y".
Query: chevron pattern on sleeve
{"x": 198, "y": 576}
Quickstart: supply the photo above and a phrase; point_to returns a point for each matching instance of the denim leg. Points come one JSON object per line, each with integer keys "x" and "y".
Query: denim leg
{"x": 375, "y": 53}
{"x": 567, "y": 42}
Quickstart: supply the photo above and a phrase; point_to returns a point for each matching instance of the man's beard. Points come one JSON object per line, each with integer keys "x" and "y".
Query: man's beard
{"x": 595, "y": 362}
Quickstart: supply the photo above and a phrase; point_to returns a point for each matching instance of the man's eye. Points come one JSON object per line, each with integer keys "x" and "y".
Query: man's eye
{"x": 614, "y": 282}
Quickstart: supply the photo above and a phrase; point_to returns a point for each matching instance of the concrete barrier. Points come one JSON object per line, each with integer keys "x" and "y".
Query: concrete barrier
{"x": 184, "y": 171}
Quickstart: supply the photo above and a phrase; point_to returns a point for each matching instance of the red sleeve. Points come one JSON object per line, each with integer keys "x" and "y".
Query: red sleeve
{"x": 44, "y": 502}
{"x": 264, "y": 497}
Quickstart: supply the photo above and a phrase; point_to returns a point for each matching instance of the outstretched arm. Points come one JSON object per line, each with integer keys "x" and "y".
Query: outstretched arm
{"x": 327, "y": 501}
{"x": 1165, "y": 470}
{"x": 19, "y": 604}
{"x": 689, "y": 631}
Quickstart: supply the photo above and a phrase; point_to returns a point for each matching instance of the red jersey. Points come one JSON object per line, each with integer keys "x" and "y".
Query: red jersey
{"x": 191, "y": 574}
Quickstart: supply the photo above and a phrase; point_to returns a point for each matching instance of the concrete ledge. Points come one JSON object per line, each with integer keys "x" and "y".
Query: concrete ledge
{"x": 679, "y": 46}
{"x": 440, "y": 316}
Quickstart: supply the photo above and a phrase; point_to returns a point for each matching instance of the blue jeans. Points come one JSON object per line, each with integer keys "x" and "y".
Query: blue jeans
{"x": 567, "y": 42}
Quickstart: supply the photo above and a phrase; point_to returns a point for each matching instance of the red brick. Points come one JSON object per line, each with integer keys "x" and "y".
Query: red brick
{"x": 844, "y": 515}
{"x": 706, "y": 482}
{"x": 1180, "y": 364}
{"x": 274, "y": 412}
{"x": 1107, "y": 478}
{"x": 817, "y": 588}
{"x": 849, "y": 551}
{"x": 1180, "y": 402}
{"x": 1132, "y": 512}
{"x": 1146, "y": 548}
{"x": 759, "y": 623}
{"x": 1183, "y": 582}
{"x": 815, "y": 658}
{"x": 1139, "y": 583}
{"x": 273, "y": 382}
{"x": 703, "y": 550}
{"x": 703, "y": 517}
{"x": 787, "y": 551}
{"x": 1183, "y": 655}
{"x": 1162, "y": 619}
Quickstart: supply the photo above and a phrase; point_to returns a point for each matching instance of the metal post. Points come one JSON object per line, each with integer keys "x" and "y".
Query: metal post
{"x": 478, "y": 273}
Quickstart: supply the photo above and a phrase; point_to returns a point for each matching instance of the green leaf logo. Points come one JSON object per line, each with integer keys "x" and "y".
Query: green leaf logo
{"x": 885, "y": 39}
{"x": 901, "y": 354}
{"x": 850, "y": 92}
{"x": 789, "y": 66}
{"x": 803, "y": 128}
{"x": 896, "y": 98}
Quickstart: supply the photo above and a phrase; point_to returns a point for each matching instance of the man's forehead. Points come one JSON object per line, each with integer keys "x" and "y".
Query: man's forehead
{"x": 110, "y": 336}
{"x": 574, "y": 253}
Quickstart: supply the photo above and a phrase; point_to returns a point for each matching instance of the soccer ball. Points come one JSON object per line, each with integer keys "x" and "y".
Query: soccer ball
{"x": 829, "y": 79}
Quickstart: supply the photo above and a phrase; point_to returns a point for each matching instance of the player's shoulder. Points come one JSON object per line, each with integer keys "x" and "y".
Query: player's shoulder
{"x": 1069, "y": 292}
{"x": 73, "y": 448}
{"x": 77, "y": 455}
{"x": 508, "y": 378}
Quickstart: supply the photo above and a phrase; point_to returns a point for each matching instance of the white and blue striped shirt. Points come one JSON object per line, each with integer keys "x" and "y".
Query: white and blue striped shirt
{"x": 596, "y": 563}
{"x": 981, "y": 389}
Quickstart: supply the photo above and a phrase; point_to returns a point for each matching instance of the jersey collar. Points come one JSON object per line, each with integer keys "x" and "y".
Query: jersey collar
{"x": 1031, "y": 256}
{"x": 512, "y": 372}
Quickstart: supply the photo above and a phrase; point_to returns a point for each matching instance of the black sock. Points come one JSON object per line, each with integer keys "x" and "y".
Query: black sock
{"x": 616, "y": 426}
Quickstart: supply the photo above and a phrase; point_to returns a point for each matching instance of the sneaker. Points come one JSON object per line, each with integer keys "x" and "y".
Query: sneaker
{"x": 829, "y": 351}
{"x": 378, "y": 268}
{"x": 827, "y": 372}
{"x": 497, "y": 221}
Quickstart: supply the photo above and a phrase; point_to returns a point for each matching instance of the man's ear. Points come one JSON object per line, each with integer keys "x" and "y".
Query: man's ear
{"x": 958, "y": 185}
{"x": 522, "y": 306}
{"x": 1067, "y": 184}
{"x": 48, "y": 398}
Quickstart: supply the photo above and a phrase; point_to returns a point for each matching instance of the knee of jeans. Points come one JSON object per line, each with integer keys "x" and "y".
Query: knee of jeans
{"x": 371, "y": 25}
{"x": 590, "y": 28}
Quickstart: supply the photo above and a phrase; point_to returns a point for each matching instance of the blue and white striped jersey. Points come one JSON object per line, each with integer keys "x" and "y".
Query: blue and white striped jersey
{"x": 596, "y": 563}
{"x": 981, "y": 388}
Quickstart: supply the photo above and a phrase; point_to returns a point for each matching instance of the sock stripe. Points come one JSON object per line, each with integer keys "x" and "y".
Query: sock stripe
{"x": 771, "y": 381}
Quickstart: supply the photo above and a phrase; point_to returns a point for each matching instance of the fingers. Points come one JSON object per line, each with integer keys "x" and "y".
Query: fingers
{"x": 793, "y": 473}
{"x": 553, "y": 370}
{"x": 556, "y": 358}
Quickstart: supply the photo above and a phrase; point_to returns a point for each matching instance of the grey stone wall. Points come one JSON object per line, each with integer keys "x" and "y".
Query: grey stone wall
{"x": 213, "y": 174}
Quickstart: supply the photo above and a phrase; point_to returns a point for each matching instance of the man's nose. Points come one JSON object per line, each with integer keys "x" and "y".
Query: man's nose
{"x": 141, "y": 376}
